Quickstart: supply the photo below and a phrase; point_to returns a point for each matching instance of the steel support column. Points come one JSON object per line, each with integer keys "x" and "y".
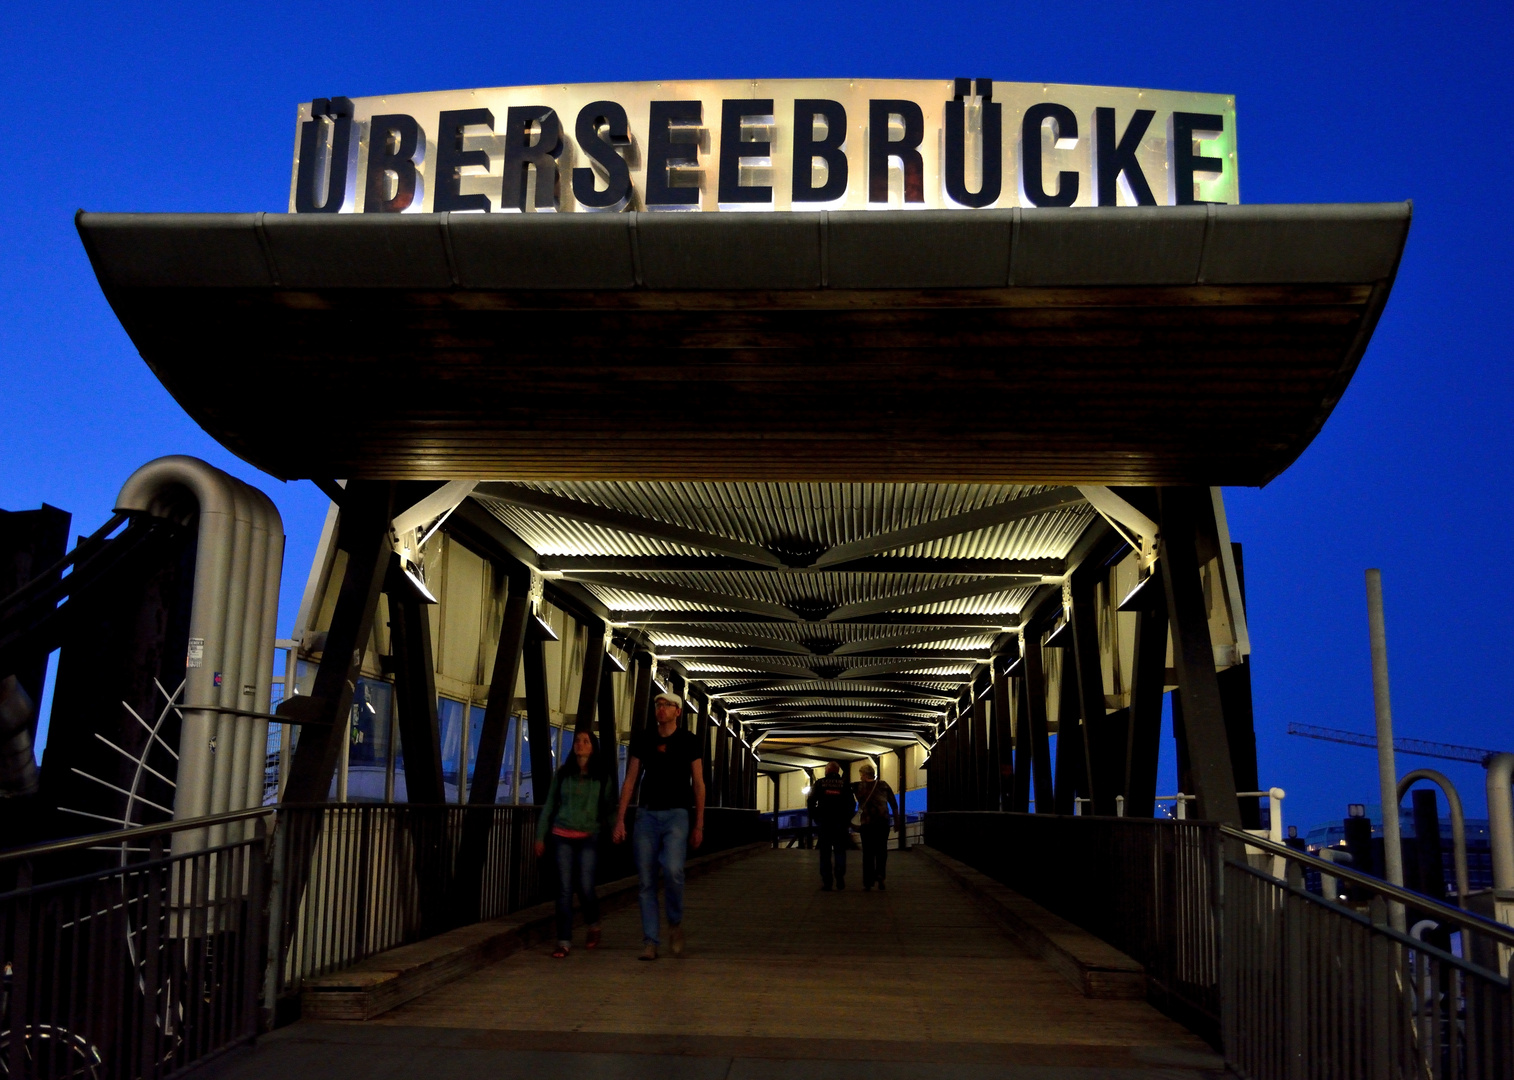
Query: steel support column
{"x": 1004, "y": 751}
{"x": 1193, "y": 655}
{"x": 1035, "y": 717}
{"x": 641, "y": 695}
{"x": 588, "y": 685}
{"x": 1240, "y": 727}
{"x": 1024, "y": 747}
{"x": 415, "y": 689}
{"x": 984, "y": 794}
{"x": 609, "y": 734}
{"x": 702, "y": 733}
{"x": 364, "y": 536}
{"x": 720, "y": 768}
{"x": 1104, "y": 735}
{"x": 1147, "y": 688}
{"x": 1072, "y": 766}
{"x": 538, "y": 717}
{"x": 507, "y": 657}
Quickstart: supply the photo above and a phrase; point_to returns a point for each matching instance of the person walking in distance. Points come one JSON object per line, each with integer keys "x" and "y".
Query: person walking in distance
{"x": 670, "y": 819}
{"x": 876, "y": 801}
{"x": 580, "y": 804}
{"x": 831, "y": 806}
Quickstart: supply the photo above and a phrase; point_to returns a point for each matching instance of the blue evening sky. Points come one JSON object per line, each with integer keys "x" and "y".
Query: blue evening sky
{"x": 180, "y": 107}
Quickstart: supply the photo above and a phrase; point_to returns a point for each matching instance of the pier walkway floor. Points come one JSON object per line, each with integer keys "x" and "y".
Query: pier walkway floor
{"x": 780, "y": 980}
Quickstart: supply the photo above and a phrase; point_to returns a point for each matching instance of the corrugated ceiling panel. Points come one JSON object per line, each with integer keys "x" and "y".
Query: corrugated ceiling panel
{"x": 549, "y": 535}
{"x": 769, "y": 514}
{"x": 1045, "y": 536}
{"x": 1005, "y": 603}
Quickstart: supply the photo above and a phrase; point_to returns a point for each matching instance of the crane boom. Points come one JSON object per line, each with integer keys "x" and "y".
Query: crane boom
{"x": 1414, "y": 747}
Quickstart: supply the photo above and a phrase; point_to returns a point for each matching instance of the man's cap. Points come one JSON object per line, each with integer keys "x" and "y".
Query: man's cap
{"x": 670, "y": 698}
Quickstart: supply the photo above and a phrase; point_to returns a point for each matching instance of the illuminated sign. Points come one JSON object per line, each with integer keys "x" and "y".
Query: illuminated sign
{"x": 825, "y": 144}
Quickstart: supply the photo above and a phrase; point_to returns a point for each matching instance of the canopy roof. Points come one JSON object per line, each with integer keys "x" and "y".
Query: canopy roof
{"x": 816, "y": 461}
{"x": 1156, "y": 345}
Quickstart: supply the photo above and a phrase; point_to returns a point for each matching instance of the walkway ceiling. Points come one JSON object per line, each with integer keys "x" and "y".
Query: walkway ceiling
{"x": 829, "y": 620}
{"x": 1130, "y": 345}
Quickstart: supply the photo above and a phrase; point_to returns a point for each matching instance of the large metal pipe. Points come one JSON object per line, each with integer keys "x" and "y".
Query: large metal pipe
{"x": 1458, "y": 824}
{"x": 234, "y": 606}
{"x": 1387, "y": 771}
{"x": 1501, "y": 818}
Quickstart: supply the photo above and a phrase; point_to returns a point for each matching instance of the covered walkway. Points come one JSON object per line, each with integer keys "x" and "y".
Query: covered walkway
{"x": 780, "y": 980}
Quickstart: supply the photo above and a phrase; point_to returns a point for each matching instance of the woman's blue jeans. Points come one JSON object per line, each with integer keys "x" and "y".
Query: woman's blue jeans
{"x": 661, "y": 840}
{"x": 575, "y": 868}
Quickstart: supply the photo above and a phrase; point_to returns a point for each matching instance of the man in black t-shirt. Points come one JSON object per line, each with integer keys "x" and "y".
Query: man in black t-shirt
{"x": 667, "y": 760}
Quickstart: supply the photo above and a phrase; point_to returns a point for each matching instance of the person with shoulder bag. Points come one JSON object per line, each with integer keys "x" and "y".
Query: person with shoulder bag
{"x": 580, "y": 805}
{"x": 876, "y": 807}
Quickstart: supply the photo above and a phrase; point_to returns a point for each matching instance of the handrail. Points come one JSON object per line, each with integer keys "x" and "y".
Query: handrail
{"x": 1466, "y": 919}
{"x": 119, "y": 836}
{"x": 116, "y": 836}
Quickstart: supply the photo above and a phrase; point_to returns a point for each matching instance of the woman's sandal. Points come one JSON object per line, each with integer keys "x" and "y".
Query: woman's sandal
{"x": 593, "y": 939}
{"x": 559, "y": 952}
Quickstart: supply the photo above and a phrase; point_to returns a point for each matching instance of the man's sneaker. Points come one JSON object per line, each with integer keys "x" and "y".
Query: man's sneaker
{"x": 882, "y": 887}
{"x": 840, "y": 885}
{"x": 649, "y": 953}
{"x": 675, "y": 940}
{"x": 593, "y": 938}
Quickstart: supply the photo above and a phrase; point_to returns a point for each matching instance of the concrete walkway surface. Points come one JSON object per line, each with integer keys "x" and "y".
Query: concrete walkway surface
{"x": 781, "y": 980}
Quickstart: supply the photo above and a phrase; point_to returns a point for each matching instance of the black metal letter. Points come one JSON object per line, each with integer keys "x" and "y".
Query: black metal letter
{"x": 601, "y": 150}
{"x": 393, "y": 140}
{"x": 907, "y": 149}
{"x": 665, "y": 153}
{"x": 732, "y": 150}
{"x": 521, "y": 153}
{"x": 992, "y": 138}
{"x": 1184, "y": 161}
{"x": 828, "y": 149}
{"x": 451, "y": 159}
{"x": 338, "y": 112}
{"x": 1064, "y": 125}
{"x": 1111, "y": 158}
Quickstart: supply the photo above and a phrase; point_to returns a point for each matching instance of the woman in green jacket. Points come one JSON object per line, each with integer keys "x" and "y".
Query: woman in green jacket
{"x": 580, "y": 804}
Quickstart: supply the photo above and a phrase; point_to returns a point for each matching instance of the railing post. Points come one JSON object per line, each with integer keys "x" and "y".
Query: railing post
{"x": 1382, "y": 993}
{"x": 274, "y": 940}
{"x": 256, "y": 925}
{"x": 1295, "y": 973}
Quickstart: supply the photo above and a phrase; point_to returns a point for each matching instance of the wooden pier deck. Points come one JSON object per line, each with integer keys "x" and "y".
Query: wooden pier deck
{"x": 780, "y": 980}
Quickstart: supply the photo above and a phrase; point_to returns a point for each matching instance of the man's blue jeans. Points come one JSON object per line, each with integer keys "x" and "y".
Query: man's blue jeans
{"x": 662, "y": 843}
{"x": 583, "y": 853}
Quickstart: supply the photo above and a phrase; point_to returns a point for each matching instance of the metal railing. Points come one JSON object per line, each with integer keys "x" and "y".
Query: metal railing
{"x": 125, "y": 959}
{"x": 1149, "y": 887}
{"x": 140, "y": 952}
{"x": 1314, "y": 988}
{"x": 352, "y": 880}
{"x": 1287, "y": 983}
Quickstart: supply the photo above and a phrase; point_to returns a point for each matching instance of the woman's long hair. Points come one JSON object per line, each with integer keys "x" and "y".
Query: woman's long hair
{"x": 596, "y": 770}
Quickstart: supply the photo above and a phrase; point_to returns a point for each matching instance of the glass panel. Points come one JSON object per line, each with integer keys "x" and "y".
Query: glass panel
{"x": 368, "y": 754}
{"x": 525, "y": 764}
{"x": 475, "y": 733}
{"x": 449, "y": 716}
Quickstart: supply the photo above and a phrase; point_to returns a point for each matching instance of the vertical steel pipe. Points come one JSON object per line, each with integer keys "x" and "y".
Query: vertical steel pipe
{"x": 1387, "y": 771}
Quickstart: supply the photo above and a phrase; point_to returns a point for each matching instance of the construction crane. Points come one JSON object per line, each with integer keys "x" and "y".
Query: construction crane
{"x": 1414, "y": 747}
